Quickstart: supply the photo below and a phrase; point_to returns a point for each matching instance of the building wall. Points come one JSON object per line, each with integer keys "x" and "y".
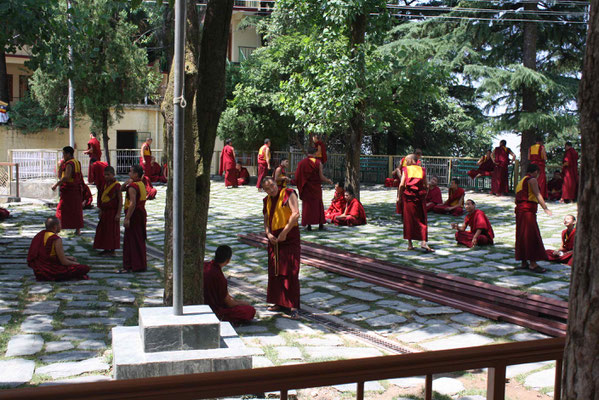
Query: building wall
{"x": 244, "y": 38}
{"x": 15, "y": 67}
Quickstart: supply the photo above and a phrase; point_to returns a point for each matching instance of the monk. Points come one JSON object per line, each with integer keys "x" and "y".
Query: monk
{"x": 227, "y": 165}
{"x": 433, "y": 196}
{"x": 485, "y": 166}
{"x": 455, "y": 200}
{"x": 243, "y": 176}
{"x": 570, "y": 174}
{"x": 395, "y": 177}
{"x": 501, "y": 158}
{"x": 151, "y": 191}
{"x": 411, "y": 193}
{"x": 110, "y": 202}
{"x": 321, "y": 149}
{"x": 354, "y": 213}
{"x": 87, "y": 197}
{"x": 263, "y": 162}
{"x": 337, "y": 204}
{"x": 47, "y": 258}
{"x": 529, "y": 244}
{"x": 156, "y": 172}
{"x": 281, "y": 213}
{"x": 165, "y": 168}
{"x": 98, "y": 174}
{"x": 309, "y": 178}
{"x": 481, "y": 231}
{"x": 94, "y": 151}
{"x": 565, "y": 254}
{"x": 537, "y": 155}
{"x": 145, "y": 158}
{"x": 216, "y": 293}
{"x": 134, "y": 241}
{"x": 554, "y": 186}
{"x": 4, "y": 213}
{"x": 280, "y": 174}
{"x": 70, "y": 210}
{"x": 402, "y": 164}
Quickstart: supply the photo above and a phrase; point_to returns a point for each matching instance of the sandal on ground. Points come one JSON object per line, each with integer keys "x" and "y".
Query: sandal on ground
{"x": 522, "y": 266}
{"x": 410, "y": 247}
{"x": 122, "y": 271}
{"x": 294, "y": 314}
{"x": 538, "y": 269}
{"x": 274, "y": 308}
{"x": 427, "y": 249}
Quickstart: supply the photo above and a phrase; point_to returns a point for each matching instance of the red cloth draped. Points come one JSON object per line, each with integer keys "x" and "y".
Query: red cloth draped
{"x": 156, "y": 173}
{"x": 465, "y": 238}
{"x": 554, "y": 189}
{"x": 475, "y": 221}
{"x": 150, "y": 190}
{"x": 499, "y": 181}
{"x": 537, "y": 159}
{"x": 414, "y": 208}
{"x": 453, "y": 199}
{"x": 134, "y": 241}
{"x": 87, "y": 198}
{"x": 322, "y": 156}
{"x": 227, "y": 165}
{"x": 485, "y": 168}
{"x": 307, "y": 178}
{"x": 568, "y": 245}
{"x": 70, "y": 209}
{"x": 45, "y": 263}
{"x": 433, "y": 196}
{"x": 355, "y": 214}
{"x": 215, "y": 292}
{"x": 4, "y": 213}
{"x": 337, "y": 206}
{"x": 147, "y": 158}
{"x": 97, "y": 172}
{"x": 529, "y": 243}
{"x": 243, "y": 177}
{"x": 108, "y": 231}
{"x": 570, "y": 175}
{"x": 94, "y": 156}
{"x": 262, "y": 165}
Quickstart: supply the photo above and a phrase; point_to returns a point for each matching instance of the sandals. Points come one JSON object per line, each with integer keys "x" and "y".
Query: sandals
{"x": 427, "y": 249}
{"x": 122, "y": 271}
{"x": 294, "y": 314}
{"x": 538, "y": 269}
{"x": 274, "y": 308}
{"x": 522, "y": 266}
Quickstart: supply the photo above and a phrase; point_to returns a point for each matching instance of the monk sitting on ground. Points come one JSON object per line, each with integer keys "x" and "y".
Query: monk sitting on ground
{"x": 354, "y": 213}
{"x": 243, "y": 176}
{"x": 216, "y": 294}
{"x": 565, "y": 254}
{"x": 554, "y": 186}
{"x": 455, "y": 200}
{"x": 4, "y": 213}
{"x": 481, "y": 232}
{"x": 337, "y": 204}
{"x": 88, "y": 199}
{"x": 47, "y": 259}
{"x": 156, "y": 172}
{"x": 485, "y": 166}
{"x": 395, "y": 177}
{"x": 433, "y": 197}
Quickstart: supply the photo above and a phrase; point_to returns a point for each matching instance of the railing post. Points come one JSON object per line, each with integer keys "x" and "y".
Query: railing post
{"x": 284, "y": 394}
{"x": 428, "y": 387}
{"x": 496, "y": 383}
{"x": 557, "y": 386}
{"x": 449, "y": 171}
{"x": 360, "y": 391}
{"x": 17, "y": 180}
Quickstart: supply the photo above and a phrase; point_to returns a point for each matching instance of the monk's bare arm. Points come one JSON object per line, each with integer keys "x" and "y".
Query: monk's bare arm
{"x": 133, "y": 201}
{"x": 480, "y": 160}
{"x": 322, "y": 177}
{"x": 119, "y": 196}
{"x": 401, "y": 187}
{"x": 267, "y": 157}
{"x": 534, "y": 186}
{"x": 68, "y": 172}
{"x": 142, "y": 159}
{"x": 64, "y": 260}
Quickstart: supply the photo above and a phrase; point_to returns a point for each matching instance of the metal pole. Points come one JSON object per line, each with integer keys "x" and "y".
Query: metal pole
{"x": 71, "y": 88}
{"x": 179, "y": 121}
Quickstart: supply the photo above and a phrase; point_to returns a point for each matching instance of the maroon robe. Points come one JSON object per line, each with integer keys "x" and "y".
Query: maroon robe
{"x": 529, "y": 244}
{"x": 499, "y": 180}
{"x": 94, "y": 156}
{"x": 554, "y": 189}
{"x": 484, "y": 169}
{"x": 134, "y": 241}
{"x": 227, "y": 165}
{"x": 150, "y": 190}
{"x": 243, "y": 177}
{"x": 413, "y": 202}
{"x": 433, "y": 196}
{"x": 321, "y": 151}
{"x": 337, "y": 206}
{"x": 98, "y": 174}
{"x": 262, "y": 165}
{"x": 570, "y": 175}
{"x": 284, "y": 257}
{"x": 394, "y": 180}
{"x": 147, "y": 158}
{"x": 535, "y": 156}
{"x": 156, "y": 173}
{"x": 108, "y": 231}
{"x": 453, "y": 199}
{"x": 4, "y": 213}
{"x": 568, "y": 244}
{"x": 70, "y": 208}
{"x": 354, "y": 214}
{"x": 477, "y": 220}
{"x": 307, "y": 179}
{"x": 87, "y": 198}
{"x": 43, "y": 260}
{"x": 215, "y": 292}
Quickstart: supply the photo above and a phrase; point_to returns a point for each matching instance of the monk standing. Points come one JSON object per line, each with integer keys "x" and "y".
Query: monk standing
{"x": 309, "y": 178}
{"x": 501, "y": 157}
{"x": 337, "y": 204}
{"x": 354, "y": 213}
{"x": 70, "y": 210}
{"x": 281, "y": 213}
{"x": 455, "y": 200}
{"x": 110, "y": 202}
{"x": 538, "y": 156}
{"x": 243, "y": 176}
{"x": 433, "y": 196}
{"x": 216, "y": 293}
{"x": 481, "y": 232}
{"x": 280, "y": 174}
{"x": 94, "y": 151}
{"x": 554, "y": 186}
{"x": 134, "y": 241}
{"x": 227, "y": 165}
{"x": 263, "y": 162}
{"x": 411, "y": 194}
{"x": 321, "y": 149}
{"x": 47, "y": 259}
{"x": 98, "y": 174}
{"x": 529, "y": 244}
{"x": 485, "y": 166}
{"x": 565, "y": 254}
{"x": 145, "y": 159}
{"x": 570, "y": 174}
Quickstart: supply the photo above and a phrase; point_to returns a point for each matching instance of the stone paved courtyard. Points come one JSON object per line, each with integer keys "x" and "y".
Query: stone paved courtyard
{"x": 60, "y": 332}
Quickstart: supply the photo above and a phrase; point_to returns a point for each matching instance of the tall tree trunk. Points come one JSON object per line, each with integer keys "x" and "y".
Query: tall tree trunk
{"x": 355, "y": 132}
{"x": 529, "y": 95}
{"x": 4, "y": 95}
{"x": 391, "y": 143}
{"x": 105, "y": 137}
{"x": 581, "y": 358}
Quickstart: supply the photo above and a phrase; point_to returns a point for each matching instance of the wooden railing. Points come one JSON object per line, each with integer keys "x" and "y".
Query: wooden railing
{"x": 284, "y": 378}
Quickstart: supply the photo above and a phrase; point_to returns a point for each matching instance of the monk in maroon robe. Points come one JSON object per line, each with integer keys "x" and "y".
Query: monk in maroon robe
{"x": 47, "y": 259}
{"x": 337, "y": 204}
{"x": 308, "y": 178}
{"x": 481, "y": 232}
{"x": 145, "y": 159}
{"x": 98, "y": 173}
{"x": 402, "y": 164}
{"x": 281, "y": 213}
{"x": 433, "y": 196}
{"x": 243, "y": 176}
{"x": 134, "y": 241}
{"x": 529, "y": 244}
{"x": 554, "y": 186}
{"x": 151, "y": 191}
{"x": 94, "y": 151}
{"x": 485, "y": 166}
{"x": 4, "y": 213}
{"x": 501, "y": 158}
{"x": 565, "y": 254}
{"x": 263, "y": 162}
{"x": 87, "y": 197}
{"x": 411, "y": 193}
{"x": 320, "y": 149}
{"x": 156, "y": 172}
{"x": 110, "y": 202}
{"x": 395, "y": 178}
{"x": 227, "y": 165}
{"x": 570, "y": 174}
{"x": 216, "y": 293}
{"x": 537, "y": 155}
{"x": 69, "y": 210}
{"x": 280, "y": 174}
{"x": 354, "y": 213}
{"x": 455, "y": 200}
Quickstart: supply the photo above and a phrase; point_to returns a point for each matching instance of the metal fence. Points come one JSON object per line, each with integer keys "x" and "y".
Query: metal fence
{"x": 9, "y": 181}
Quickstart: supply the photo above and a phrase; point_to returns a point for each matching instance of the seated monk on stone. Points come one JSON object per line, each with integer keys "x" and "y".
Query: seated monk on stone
{"x": 481, "y": 232}
{"x": 337, "y": 204}
{"x": 433, "y": 196}
{"x": 354, "y": 213}
{"x": 156, "y": 172}
{"x": 88, "y": 199}
{"x": 395, "y": 177}
{"x": 565, "y": 254}
{"x": 455, "y": 200}
{"x": 485, "y": 166}
{"x": 216, "y": 294}
{"x": 554, "y": 186}
{"x": 4, "y": 213}
{"x": 243, "y": 176}
{"x": 47, "y": 259}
